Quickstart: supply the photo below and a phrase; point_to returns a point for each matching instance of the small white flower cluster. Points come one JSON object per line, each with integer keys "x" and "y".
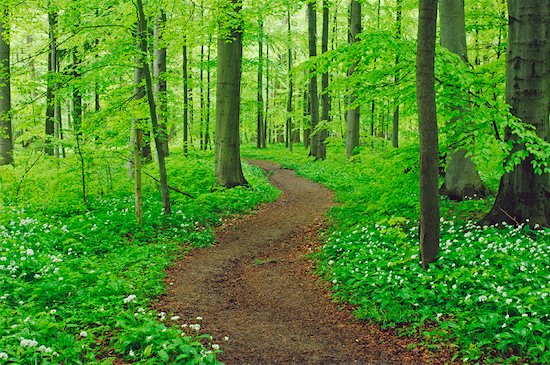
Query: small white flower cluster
{"x": 3, "y": 356}
{"x": 28, "y": 343}
{"x": 130, "y": 298}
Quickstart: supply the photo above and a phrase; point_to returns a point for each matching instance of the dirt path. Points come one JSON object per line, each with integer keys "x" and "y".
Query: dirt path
{"x": 255, "y": 286}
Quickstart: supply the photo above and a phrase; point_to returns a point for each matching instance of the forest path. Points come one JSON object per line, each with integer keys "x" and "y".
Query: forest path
{"x": 256, "y": 287}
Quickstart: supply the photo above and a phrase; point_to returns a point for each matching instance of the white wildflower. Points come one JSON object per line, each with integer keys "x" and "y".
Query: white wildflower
{"x": 129, "y": 298}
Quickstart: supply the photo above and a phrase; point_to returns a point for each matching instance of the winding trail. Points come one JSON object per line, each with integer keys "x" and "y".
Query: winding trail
{"x": 256, "y": 287}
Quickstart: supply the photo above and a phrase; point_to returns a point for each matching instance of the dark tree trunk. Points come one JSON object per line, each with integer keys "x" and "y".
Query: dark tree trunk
{"x": 228, "y": 94}
{"x": 313, "y": 95}
{"x": 427, "y": 121}
{"x": 395, "y": 126}
{"x": 185, "y": 99}
{"x": 325, "y": 98}
{"x": 353, "y": 114}
{"x": 289, "y": 106}
{"x": 524, "y": 195}
{"x": 50, "y": 93}
{"x": 260, "y": 91}
{"x": 207, "y": 143}
{"x": 142, "y": 34}
{"x": 266, "y": 113}
{"x": 6, "y": 133}
{"x": 159, "y": 72}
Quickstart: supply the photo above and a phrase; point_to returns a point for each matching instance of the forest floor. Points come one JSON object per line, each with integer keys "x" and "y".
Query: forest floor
{"x": 257, "y": 287}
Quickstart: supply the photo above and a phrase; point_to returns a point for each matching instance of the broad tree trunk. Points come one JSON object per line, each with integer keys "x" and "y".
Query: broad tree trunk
{"x": 159, "y": 72}
{"x": 228, "y": 95}
{"x": 524, "y": 195}
{"x": 77, "y": 123}
{"x": 395, "y": 126}
{"x": 6, "y": 134}
{"x": 325, "y": 98}
{"x": 462, "y": 180}
{"x": 353, "y": 114}
{"x": 313, "y": 95}
{"x": 50, "y": 93}
{"x": 427, "y": 122}
{"x": 266, "y": 112}
{"x": 260, "y": 90}
{"x": 163, "y": 179}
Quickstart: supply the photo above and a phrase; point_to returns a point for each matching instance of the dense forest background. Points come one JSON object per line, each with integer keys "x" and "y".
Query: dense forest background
{"x": 122, "y": 123}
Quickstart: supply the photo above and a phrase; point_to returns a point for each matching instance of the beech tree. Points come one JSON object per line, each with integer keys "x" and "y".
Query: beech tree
{"x": 228, "y": 94}
{"x": 427, "y": 124}
{"x": 461, "y": 176}
{"x": 312, "y": 88}
{"x": 6, "y": 138}
{"x": 353, "y": 114}
{"x": 524, "y": 193}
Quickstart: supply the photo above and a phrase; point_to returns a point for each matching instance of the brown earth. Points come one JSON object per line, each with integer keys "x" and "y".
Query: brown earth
{"x": 256, "y": 287}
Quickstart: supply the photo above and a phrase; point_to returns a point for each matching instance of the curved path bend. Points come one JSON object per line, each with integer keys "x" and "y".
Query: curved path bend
{"x": 256, "y": 287}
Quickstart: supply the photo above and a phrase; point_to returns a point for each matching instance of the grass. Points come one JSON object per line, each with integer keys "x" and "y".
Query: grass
{"x": 486, "y": 296}
{"x": 76, "y": 282}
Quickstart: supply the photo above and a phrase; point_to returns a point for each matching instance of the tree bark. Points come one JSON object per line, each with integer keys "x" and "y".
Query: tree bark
{"x": 6, "y": 133}
{"x": 289, "y": 106}
{"x": 159, "y": 73}
{"x": 395, "y": 126}
{"x": 313, "y": 95}
{"x": 228, "y": 93}
{"x": 142, "y": 34}
{"x": 325, "y": 98}
{"x": 427, "y": 122}
{"x": 523, "y": 195}
{"x": 50, "y": 94}
{"x": 353, "y": 114}
{"x": 462, "y": 180}
{"x": 185, "y": 99}
{"x": 260, "y": 91}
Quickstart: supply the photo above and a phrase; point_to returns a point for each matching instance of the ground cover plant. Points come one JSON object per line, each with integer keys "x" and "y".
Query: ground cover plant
{"x": 76, "y": 282}
{"x": 487, "y": 295}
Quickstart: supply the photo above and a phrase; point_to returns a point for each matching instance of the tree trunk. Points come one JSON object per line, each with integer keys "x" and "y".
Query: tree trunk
{"x": 208, "y": 78}
{"x": 313, "y": 95}
{"x": 159, "y": 72}
{"x": 185, "y": 99}
{"x": 523, "y": 195}
{"x": 462, "y": 179}
{"x": 77, "y": 124}
{"x": 353, "y": 115}
{"x": 260, "y": 91}
{"x": 427, "y": 122}
{"x": 395, "y": 126}
{"x": 228, "y": 94}
{"x": 266, "y": 112}
{"x": 6, "y": 134}
{"x": 325, "y": 98}
{"x": 289, "y": 106}
{"x": 142, "y": 34}
{"x": 50, "y": 94}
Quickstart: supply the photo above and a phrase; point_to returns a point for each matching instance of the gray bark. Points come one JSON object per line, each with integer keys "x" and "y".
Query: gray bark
{"x": 185, "y": 99}
{"x": 312, "y": 91}
{"x": 325, "y": 98}
{"x": 427, "y": 123}
{"x": 395, "y": 126}
{"x": 462, "y": 180}
{"x": 260, "y": 92}
{"x": 228, "y": 94}
{"x": 159, "y": 73}
{"x": 289, "y": 106}
{"x": 524, "y": 195}
{"x": 353, "y": 114}
{"x": 6, "y": 133}
{"x": 50, "y": 96}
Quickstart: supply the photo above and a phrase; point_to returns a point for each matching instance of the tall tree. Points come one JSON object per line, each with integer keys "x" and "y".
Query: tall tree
{"x": 398, "y": 34}
{"x": 50, "y": 93}
{"x": 461, "y": 178}
{"x": 523, "y": 194}
{"x": 228, "y": 94}
{"x": 185, "y": 67}
{"x": 159, "y": 72}
{"x": 163, "y": 178}
{"x": 427, "y": 122}
{"x": 289, "y": 106}
{"x": 353, "y": 114}
{"x": 325, "y": 98}
{"x": 260, "y": 92}
{"x": 312, "y": 89}
{"x": 6, "y": 135}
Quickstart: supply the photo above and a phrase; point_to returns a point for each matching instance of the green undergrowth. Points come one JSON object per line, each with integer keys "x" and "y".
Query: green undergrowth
{"x": 487, "y": 296}
{"x": 76, "y": 281}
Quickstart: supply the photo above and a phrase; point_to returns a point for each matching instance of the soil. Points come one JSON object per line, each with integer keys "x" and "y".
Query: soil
{"x": 257, "y": 287}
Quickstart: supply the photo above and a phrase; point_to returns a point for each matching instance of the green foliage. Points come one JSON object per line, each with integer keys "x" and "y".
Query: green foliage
{"x": 76, "y": 281}
{"x": 488, "y": 292}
